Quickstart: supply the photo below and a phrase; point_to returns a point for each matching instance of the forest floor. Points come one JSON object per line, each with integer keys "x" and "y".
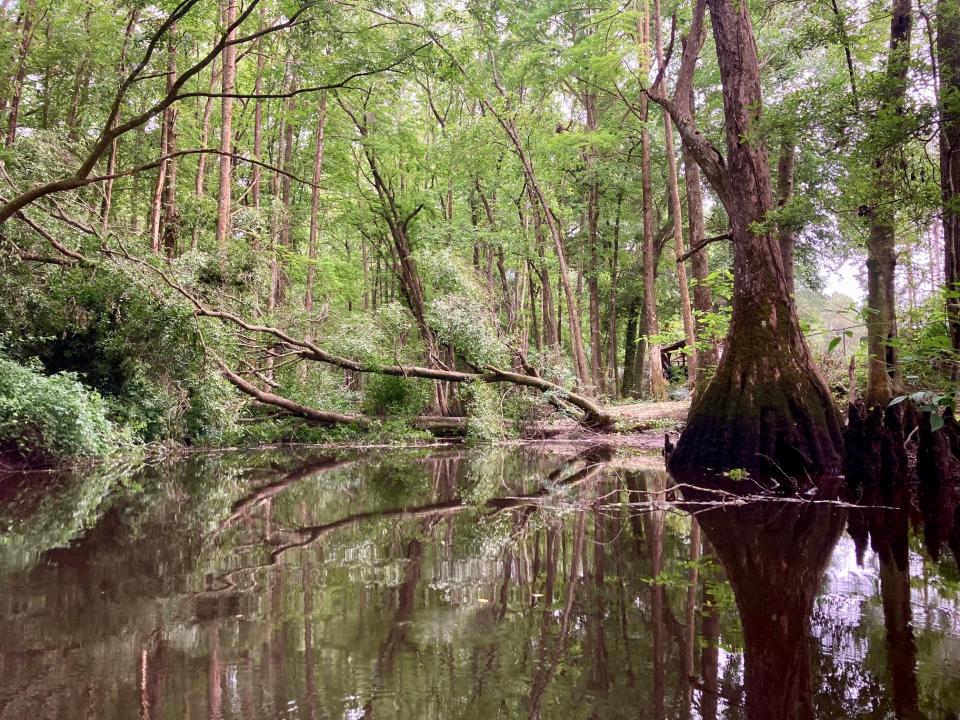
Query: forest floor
{"x": 672, "y": 411}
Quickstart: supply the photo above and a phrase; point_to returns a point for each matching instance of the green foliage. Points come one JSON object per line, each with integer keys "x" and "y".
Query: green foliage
{"x": 397, "y": 396}
{"x": 51, "y": 419}
{"x": 142, "y": 355}
{"x": 482, "y": 402}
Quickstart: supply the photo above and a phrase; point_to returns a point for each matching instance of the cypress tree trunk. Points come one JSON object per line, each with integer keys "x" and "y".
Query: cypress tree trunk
{"x": 768, "y": 409}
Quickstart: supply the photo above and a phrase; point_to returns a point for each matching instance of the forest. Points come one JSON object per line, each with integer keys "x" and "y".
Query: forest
{"x": 480, "y": 359}
{"x": 272, "y": 221}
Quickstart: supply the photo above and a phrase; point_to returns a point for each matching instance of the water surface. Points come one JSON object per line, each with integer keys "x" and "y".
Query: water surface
{"x": 508, "y": 583}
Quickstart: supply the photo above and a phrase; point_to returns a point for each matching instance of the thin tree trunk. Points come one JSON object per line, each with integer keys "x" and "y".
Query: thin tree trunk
{"x": 257, "y": 176}
{"x": 673, "y": 185}
{"x": 629, "y": 382}
{"x": 589, "y": 100}
{"x": 656, "y": 383}
{"x": 26, "y": 39}
{"x": 785, "y": 168}
{"x": 613, "y": 344}
{"x": 700, "y": 261}
{"x": 200, "y": 180}
{"x": 882, "y": 374}
{"x": 315, "y": 209}
{"x": 170, "y": 217}
{"x": 228, "y": 83}
{"x": 107, "y": 203}
{"x": 948, "y": 60}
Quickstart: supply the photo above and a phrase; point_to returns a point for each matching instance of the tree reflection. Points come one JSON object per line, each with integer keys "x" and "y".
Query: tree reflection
{"x": 774, "y": 556}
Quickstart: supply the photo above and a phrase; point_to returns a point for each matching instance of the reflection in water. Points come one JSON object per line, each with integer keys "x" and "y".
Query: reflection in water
{"x": 455, "y": 584}
{"x": 774, "y": 556}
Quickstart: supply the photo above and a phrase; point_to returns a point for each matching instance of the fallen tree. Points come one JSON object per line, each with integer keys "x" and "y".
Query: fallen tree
{"x": 586, "y": 411}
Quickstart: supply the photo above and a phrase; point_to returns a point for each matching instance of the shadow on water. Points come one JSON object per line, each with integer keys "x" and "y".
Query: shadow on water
{"x": 507, "y": 583}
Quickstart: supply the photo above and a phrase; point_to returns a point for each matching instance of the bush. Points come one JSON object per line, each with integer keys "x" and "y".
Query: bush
{"x": 142, "y": 355}
{"x": 397, "y": 396}
{"x": 47, "y": 420}
{"x": 485, "y": 422}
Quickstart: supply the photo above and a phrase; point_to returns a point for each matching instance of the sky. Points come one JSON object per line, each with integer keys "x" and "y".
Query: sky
{"x": 844, "y": 279}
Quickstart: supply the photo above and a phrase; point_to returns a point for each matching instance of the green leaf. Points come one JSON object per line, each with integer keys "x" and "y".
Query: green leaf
{"x": 833, "y": 344}
{"x": 936, "y": 421}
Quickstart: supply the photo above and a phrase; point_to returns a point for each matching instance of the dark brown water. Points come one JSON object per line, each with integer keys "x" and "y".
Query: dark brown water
{"x": 466, "y": 584}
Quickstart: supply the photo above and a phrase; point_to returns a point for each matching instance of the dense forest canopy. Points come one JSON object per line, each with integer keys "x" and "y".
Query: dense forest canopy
{"x": 241, "y": 221}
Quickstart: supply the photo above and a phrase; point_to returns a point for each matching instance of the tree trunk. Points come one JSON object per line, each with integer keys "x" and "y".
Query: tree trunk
{"x": 26, "y": 39}
{"x": 200, "y": 180}
{"x": 613, "y": 344}
{"x": 882, "y": 374}
{"x": 656, "y": 385}
{"x": 787, "y": 237}
{"x": 169, "y": 215}
{"x": 551, "y": 335}
{"x": 699, "y": 262}
{"x": 256, "y": 179}
{"x": 589, "y": 100}
{"x": 629, "y": 382}
{"x": 315, "y": 209}
{"x": 768, "y": 408}
{"x": 948, "y": 58}
{"x": 228, "y": 82}
{"x": 107, "y": 203}
{"x": 673, "y": 185}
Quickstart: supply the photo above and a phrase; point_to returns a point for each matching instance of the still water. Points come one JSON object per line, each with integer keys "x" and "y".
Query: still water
{"x": 452, "y": 583}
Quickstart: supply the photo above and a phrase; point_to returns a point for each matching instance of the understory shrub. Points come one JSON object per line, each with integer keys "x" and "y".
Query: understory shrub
{"x": 397, "y": 396}
{"x": 485, "y": 422}
{"x": 47, "y": 420}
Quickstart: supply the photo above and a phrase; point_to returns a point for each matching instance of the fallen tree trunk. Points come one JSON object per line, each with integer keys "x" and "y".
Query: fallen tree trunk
{"x": 594, "y": 416}
{"x": 437, "y": 425}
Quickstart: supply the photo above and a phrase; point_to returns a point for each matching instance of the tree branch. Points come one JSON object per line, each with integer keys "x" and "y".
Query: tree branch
{"x": 701, "y": 245}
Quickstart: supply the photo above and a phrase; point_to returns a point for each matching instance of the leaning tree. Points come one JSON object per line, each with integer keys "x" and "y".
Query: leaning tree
{"x": 768, "y": 407}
